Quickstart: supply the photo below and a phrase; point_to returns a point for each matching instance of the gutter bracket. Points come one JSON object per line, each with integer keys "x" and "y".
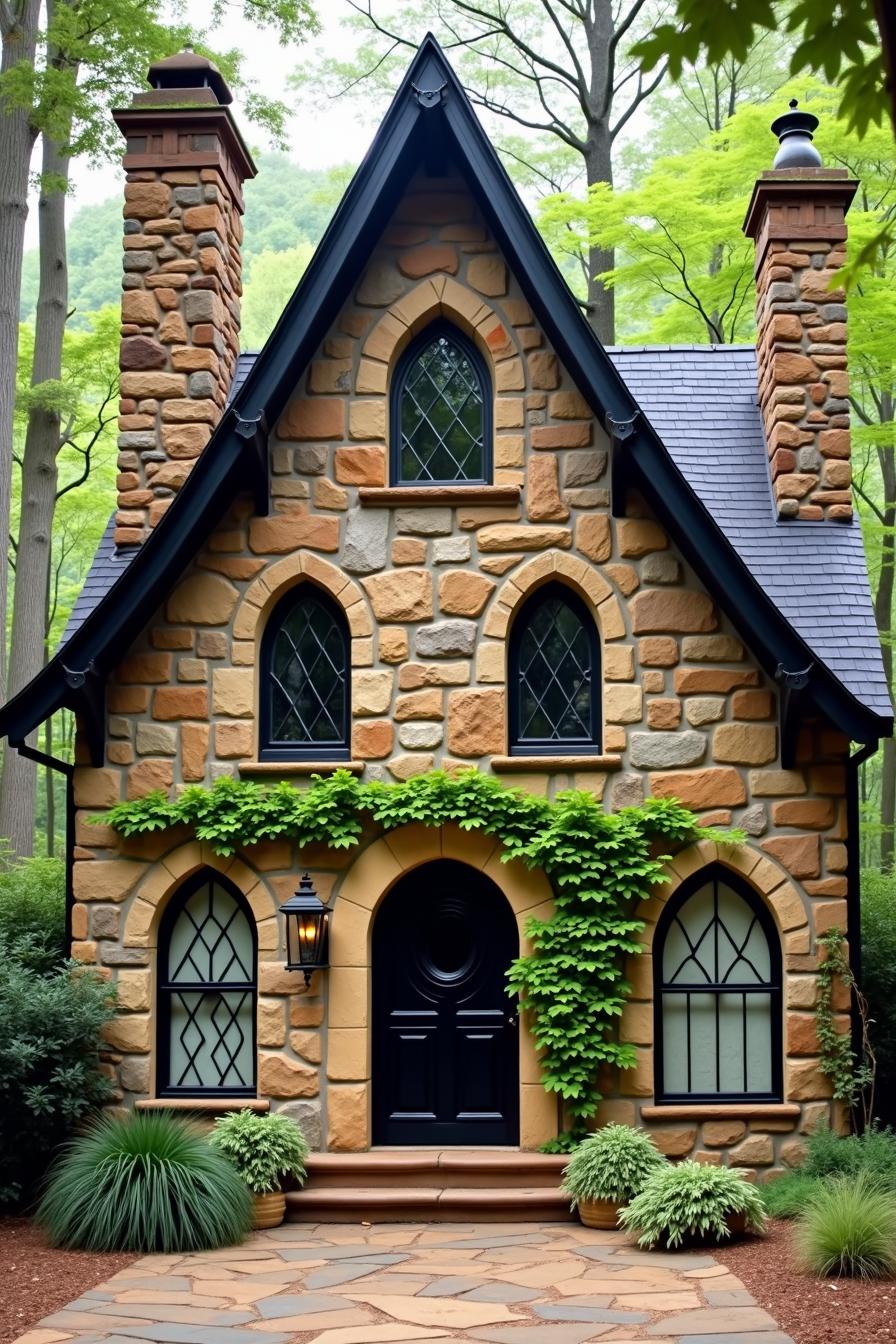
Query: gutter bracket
{"x": 90, "y": 696}
{"x": 793, "y": 687}
{"x": 428, "y": 98}
{"x": 255, "y": 432}
{"x": 620, "y": 431}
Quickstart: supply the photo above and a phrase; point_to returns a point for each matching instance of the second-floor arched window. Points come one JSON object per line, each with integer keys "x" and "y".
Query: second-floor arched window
{"x": 440, "y": 411}
{"x": 554, "y": 675}
{"x": 304, "y": 704}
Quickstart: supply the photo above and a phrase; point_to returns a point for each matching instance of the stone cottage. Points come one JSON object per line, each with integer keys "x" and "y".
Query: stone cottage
{"x": 435, "y": 523}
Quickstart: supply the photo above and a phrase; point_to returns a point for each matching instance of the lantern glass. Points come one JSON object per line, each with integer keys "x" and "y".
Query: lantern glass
{"x": 307, "y": 929}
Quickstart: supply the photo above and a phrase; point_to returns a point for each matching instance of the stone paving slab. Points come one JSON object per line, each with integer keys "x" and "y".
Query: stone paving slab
{"x": 527, "y": 1283}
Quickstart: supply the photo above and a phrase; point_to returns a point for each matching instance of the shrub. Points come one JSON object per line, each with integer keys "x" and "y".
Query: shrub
{"x": 50, "y": 1075}
{"x": 262, "y": 1148}
{"x": 786, "y": 1196}
{"x": 612, "y": 1164}
{"x": 32, "y": 913}
{"x": 150, "y": 1182}
{"x": 691, "y": 1201}
{"x": 874, "y": 1152}
{"x": 879, "y": 981}
{"x": 849, "y": 1228}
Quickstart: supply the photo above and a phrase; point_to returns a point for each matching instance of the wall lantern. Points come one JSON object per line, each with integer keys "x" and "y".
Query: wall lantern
{"x": 307, "y": 930}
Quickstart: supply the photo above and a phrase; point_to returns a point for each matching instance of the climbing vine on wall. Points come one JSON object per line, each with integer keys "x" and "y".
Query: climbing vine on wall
{"x": 852, "y": 1075}
{"x": 600, "y": 866}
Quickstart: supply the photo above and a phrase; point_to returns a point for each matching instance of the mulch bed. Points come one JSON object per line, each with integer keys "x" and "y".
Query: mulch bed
{"x": 813, "y": 1311}
{"x": 37, "y": 1280}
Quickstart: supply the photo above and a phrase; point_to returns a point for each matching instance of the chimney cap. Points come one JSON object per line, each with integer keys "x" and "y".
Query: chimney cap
{"x": 188, "y": 70}
{"x": 794, "y": 130}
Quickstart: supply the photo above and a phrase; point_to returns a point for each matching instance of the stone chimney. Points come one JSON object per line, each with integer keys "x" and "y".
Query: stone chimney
{"x": 797, "y": 219}
{"x": 180, "y": 310}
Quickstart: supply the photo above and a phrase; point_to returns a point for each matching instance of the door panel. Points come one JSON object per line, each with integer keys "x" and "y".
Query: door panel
{"x": 445, "y": 1038}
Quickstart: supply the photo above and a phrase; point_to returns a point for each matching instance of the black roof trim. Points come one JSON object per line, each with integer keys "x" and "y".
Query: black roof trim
{"x": 229, "y": 463}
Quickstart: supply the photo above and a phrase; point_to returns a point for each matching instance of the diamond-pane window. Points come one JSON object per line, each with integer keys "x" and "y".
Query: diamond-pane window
{"x": 207, "y": 955}
{"x": 718, "y": 994}
{"x": 555, "y": 675}
{"x": 305, "y": 697}
{"x": 440, "y": 412}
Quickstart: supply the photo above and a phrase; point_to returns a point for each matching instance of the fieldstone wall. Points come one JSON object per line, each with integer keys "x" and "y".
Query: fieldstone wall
{"x": 430, "y": 592}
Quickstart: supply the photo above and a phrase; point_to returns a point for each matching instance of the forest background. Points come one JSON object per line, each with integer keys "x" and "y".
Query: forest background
{"x": 639, "y": 185}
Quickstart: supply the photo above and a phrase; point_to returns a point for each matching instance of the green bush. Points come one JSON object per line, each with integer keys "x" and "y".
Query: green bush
{"x": 786, "y": 1196}
{"x": 50, "y": 1075}
{"x": 150, "y": 1182}
{"x": 879, "y": 981}
{"x": 32, "y": 912}
{"x": 874, "y": 1153}
{"x": 262, "y": 1148}
{"x": 612, "y": 1164}
{"x": 849, "y": 1228}
{"x": 691, "y": 1201}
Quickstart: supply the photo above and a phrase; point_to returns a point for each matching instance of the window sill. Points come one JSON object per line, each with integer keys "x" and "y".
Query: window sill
{"x": 434, "y": 496}
{"x": 284, "y": 769}
{"x": 210, "y": 1105}
{"x": 507, "y": 764}
{"x": 723, "y": 1110}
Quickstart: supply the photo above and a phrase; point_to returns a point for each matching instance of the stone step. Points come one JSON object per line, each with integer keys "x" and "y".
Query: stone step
{"x": 445, "y": 1168}
{"x": 402, "y": 1203}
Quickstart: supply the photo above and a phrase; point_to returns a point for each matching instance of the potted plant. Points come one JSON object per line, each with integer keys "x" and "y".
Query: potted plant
{"x": 690, "y": 1203}
{"x": 607, "y": 1170}
{"x": 264, "y": 1149}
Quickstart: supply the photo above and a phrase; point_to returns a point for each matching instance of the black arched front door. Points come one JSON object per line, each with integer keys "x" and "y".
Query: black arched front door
{"x": 445, "y": 1036}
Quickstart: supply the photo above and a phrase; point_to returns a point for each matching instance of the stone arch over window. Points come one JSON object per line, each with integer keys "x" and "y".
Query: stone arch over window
{"x": 207, "y": 976}
{"x": 717, "y": 993}
{"x": 440, "y": 410}
{"x": 554, "y": 674}
{"x": 304, "y": 678}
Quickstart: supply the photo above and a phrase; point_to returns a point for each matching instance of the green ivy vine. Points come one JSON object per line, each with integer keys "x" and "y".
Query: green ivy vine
{"x": 852, "y": 1075}
{"x": 600, "y": 866}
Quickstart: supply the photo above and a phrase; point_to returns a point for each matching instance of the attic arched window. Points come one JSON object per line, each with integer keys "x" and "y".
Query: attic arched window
{"x": 717, "y": 994}
{"x": 304, "y": 701}
{"x": 440, "y": 411}
{"x": 207, "y": 981}
{"x": 554, "y": 675}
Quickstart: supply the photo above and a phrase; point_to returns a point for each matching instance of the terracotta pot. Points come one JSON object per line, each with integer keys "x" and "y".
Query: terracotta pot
{"x": 268, "y": 1210}
{"x": 601, "y": 1213}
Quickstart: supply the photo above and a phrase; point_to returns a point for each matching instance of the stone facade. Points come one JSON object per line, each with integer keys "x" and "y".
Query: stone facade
{"x": 797, "y": 219}
{"x": 430, "y": 586}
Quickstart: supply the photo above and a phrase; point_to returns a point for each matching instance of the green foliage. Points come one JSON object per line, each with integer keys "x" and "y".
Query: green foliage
{"x": 879, "y": 981}
{"x": 872, "y": 1153}
{"x": 836, "y": 38}
{"x": 149, "y": 1183}
{"x": 852, "y": 1078}
{"x": 270, "y": 282}
{"x": 263, "y": 1148}
{"x": 849, "y": 1228}
{"x": 50, "y": 1075}
{"x": 32, "y": 913}
{"x": 786, "y": 1196}
{"x": 691, "y": 1201}
{"x": 600, "y": 866}
{"x": 614, "y": 1163}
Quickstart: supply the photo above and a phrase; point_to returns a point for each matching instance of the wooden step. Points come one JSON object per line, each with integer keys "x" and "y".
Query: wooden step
{"x": 437, "y": 1185}
{"x": 432, "y": 1204}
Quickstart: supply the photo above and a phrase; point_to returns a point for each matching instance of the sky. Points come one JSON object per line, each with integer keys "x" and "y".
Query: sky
{"x": 317, "y": 139}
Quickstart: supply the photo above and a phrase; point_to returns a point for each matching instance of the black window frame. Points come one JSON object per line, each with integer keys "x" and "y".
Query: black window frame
{"x": 275, "y": 750}
{"x": 166, "y": 990}
{"x": 717, "y": 874}
{"x": 430, "y": 333}
{"x": 518, "y": 746}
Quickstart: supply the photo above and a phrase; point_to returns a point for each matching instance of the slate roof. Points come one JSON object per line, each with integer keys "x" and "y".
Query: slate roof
{"x": 107, "y": 565}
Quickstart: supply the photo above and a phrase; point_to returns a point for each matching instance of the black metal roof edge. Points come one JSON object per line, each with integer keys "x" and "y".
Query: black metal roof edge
{"x": 344, "y": 248}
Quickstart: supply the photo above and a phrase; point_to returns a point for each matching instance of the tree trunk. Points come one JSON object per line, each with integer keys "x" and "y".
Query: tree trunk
{"x": 50, "y": 785}
{"x": 883, "y": 614}
{"x": 601, "y": 299}
{"x": 19, "y": 38}
{"x": 38, "y": 495}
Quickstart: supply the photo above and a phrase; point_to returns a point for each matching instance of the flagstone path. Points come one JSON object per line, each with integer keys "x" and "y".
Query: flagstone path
{"x": 520, "y": 1283}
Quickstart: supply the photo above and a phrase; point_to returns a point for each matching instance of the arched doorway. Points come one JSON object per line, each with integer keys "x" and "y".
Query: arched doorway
{"x": 445, "y": 1032}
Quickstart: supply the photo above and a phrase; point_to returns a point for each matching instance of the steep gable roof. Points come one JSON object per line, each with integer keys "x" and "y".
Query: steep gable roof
{"x": 430, "y": 116}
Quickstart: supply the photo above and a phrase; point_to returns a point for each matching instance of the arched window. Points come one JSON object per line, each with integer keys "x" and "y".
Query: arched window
{"x": 440, "y": 411}
{"x": 206, "y": 969}
{"x": 717, "y": 994}
{"x": 554, "y": 675}
{"x": 304, "y": 699}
